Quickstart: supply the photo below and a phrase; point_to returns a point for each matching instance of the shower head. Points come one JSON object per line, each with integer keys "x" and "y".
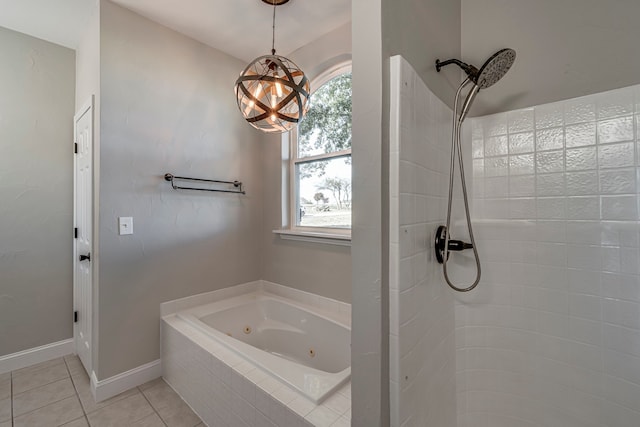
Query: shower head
{"x": 491, "y": 71}
{"x": 495, "y": 68}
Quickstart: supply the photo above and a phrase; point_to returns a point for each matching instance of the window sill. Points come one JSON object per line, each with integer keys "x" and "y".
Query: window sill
{"x": 315, "y": 237}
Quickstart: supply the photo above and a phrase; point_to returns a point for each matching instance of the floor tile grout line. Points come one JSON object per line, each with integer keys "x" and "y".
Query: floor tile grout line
{"x": 73, "y": 383}
{"x": 151, "y": 404}
{"x": 50, "y": 403}
{"x": 13, "y": 415}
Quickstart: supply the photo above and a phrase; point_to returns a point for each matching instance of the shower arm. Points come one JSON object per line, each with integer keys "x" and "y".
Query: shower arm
{"x": 468, "y": 68}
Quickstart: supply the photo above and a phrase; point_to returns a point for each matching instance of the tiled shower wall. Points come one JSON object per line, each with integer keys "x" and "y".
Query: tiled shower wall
{"x": 551, "y": 336}
{"x": 422, "y": 322}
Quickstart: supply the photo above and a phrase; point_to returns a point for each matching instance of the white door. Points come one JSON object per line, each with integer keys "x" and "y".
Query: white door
{"x": 82, "y": 248}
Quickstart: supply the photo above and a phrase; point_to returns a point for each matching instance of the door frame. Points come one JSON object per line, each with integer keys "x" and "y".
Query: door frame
{"x": 86, "y": 106}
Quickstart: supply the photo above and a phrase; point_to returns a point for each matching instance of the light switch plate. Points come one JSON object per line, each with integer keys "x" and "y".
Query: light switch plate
{"x": 125, "y": 225}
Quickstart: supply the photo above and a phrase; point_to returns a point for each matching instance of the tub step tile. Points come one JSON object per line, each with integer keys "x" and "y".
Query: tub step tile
{"x": 301, "y": 406}
{"x": 342, "y": 422}
{"x": 338, "y": 403}
{"x": 322, "y": 417}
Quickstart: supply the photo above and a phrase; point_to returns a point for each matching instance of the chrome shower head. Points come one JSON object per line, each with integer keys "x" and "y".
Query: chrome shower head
{"x": 493, "y": 69}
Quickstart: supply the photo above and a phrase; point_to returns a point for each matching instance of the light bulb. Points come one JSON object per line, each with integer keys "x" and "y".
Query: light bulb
{"x": 278, "y": 85}
{"x": 274, "y": 96}
{"x": 250, "y": 106}
{"x": 256, "y": 94}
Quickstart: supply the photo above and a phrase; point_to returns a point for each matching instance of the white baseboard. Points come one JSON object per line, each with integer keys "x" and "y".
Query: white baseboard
{"x": 104, "y": 389}
{"x": 29, "y": 357}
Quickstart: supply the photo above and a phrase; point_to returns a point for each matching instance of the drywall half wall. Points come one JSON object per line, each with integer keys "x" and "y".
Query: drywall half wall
{"x": 423, "y": 31}
{"x": 37, "y": 81}
{"x": 309, "y": 266}
{"x": 369, "y": 328}
{"x": 168, "y": 106}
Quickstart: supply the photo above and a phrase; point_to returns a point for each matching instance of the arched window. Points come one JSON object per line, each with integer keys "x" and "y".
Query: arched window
{"x": 321, "y": 157}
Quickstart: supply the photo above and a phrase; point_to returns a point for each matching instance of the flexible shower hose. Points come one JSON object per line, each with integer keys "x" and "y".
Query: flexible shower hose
{"x": 456, "y": 149}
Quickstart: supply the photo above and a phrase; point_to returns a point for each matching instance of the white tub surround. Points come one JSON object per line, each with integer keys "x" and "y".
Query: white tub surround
{"x": 288, "y": 351}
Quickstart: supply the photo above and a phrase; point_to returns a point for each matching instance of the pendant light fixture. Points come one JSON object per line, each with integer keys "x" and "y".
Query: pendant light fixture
{"x": 272, "y": 92}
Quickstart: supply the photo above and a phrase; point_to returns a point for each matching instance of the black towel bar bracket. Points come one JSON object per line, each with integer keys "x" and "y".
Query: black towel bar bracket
{"x": 172, "y": 178}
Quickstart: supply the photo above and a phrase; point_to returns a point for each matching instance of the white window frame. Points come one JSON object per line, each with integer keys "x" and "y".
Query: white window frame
{"x": 340, "y": 236}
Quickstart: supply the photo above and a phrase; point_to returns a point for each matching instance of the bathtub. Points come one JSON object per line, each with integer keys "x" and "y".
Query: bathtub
{"x": 290, "y": 341}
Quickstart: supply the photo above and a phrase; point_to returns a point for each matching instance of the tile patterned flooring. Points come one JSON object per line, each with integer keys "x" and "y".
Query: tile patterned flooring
{"x": 57, "y": 393}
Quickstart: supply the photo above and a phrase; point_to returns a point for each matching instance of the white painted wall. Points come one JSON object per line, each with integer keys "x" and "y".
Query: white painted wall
{"x": 313, "y": 267}
{"x": 168, "y": 106}
{"x": 551, "y": 335}
{"x": 36, "y": 174}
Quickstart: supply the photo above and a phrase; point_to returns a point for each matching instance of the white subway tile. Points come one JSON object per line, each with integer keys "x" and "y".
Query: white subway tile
{"x": 585, "y": 158}
{"x": 582, "y": 183}
{"x": 521, "y": 143}
{"x": 618, "y": 181}
{"x": 550, "y": 161}
{"x": 549, "y": 139}
{"x": 619, "y": 208}
{"x": 549, "y": 115}
{"x": 520, "y": 120}
{"x": 550, "y": 184}
{"x": 615, "y": 103}
{"x": 580, "y": 135}
{"x": 616, "y": 155}
{"x": 580, "y": 110}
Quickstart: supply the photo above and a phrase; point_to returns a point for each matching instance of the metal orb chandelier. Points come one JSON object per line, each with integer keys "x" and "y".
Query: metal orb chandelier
{"x": 272, "y": 92}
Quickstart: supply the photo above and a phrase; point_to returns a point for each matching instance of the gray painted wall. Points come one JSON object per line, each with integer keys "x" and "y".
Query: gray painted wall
{"x": 36, "y": 185}
{"x": 168, "y": 106}
{"x": 313, "y": 267}
{"x": 565, "y": 48}
{"x": 423, "y": 31}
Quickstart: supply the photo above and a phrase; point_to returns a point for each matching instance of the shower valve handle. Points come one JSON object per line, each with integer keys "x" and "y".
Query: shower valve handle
{"x": 459, "y": 245}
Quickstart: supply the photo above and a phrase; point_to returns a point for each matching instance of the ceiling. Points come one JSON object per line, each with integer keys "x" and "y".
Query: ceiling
{"x": 57, "y": 21}
{"x": 242, "y": 28}
{"x": 565, "y": 48}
